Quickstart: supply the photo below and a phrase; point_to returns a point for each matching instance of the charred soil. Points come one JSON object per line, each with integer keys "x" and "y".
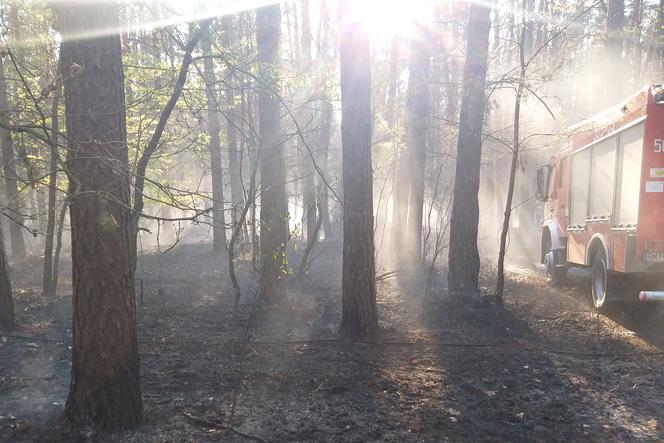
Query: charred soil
{"x": 543, "y": 366}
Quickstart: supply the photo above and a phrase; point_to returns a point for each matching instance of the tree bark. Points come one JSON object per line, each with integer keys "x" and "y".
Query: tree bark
{"x": 358, "y": 299}
{"x": 105, "y": 388}
{"x": 213, "y": 127}
{"x": 58, "y": 245}
{"x": 500, "y": 280}
{"x": 47, "y": 285}
{"x": 635, "y": 44}
{"x": 616, "y": 72}
{"x": 153, "y": 144}
{"x": 309, "y": 188}
{"x": 251, "y": 143}
{"x": 659, "y": 33}
{"x": 11, "y": 178}
{"x": 464, "y": 260}
{"x": 401, "y": 195}
{"x": 419, "y": 109}
{"x": 7, "y": 314}
{"x": 393, "y": 86}
{"x": 327, "y": 114}
{"x": 274, "y": 207}
{"x": 234, "y": 156}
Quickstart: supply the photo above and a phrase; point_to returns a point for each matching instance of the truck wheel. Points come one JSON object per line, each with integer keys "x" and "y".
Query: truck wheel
{"x": 557, "y": 275}
{"x": 601, "y": 282}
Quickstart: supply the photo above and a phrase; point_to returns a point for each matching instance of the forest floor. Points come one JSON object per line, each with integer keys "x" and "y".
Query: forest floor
{"x": 542, "y": 367}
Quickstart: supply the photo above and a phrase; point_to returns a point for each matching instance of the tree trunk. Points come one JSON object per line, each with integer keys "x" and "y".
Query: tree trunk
{"x": 635, "y": 44}
{"x": 252, "y": 152}
{"x": 659, "y": 33}
{"x": 401, "y": 195}
{"x": 105, "y": 387}
{"x": 154, "y": 142}
{"x": 47, "y": 285}
{"x": 309, "y": 187}
{"x": 325, "y": 135}
{"x": 419, "y": 109}
{"x": 529, "y": 35}
{"x": 393, "y": 86}
{"x": 616, "y": 72}
{"x": 213, "y": 127}
{"x": 58, "y": 245}
{"x": 500, "y": 282}
{"x": 274, "y": 207}
{"x": 358, "y": 296}
{"x": 464, "y": 259}
{"x": 401, "y": 182}
{"x": 234, "y": 157}
{"x": 7, "y": 319}
{"x": 324, "y": 44}
{"x": 11, "y": 179}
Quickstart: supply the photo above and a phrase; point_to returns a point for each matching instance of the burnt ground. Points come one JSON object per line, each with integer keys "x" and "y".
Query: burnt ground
{"x": 541, "y": 367}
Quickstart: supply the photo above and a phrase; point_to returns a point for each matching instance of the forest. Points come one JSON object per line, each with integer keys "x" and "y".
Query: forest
{"x": 331, "y": 220}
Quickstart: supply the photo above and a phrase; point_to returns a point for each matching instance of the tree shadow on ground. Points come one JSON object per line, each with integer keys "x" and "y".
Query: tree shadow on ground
{"x": 449, "y": 368}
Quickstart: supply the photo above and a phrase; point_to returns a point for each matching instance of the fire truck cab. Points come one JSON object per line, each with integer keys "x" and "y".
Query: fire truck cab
{"x": 604, "y": 201}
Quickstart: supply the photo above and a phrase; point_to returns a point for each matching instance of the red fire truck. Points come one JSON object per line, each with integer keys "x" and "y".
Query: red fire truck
{"x": 604, "y": 201}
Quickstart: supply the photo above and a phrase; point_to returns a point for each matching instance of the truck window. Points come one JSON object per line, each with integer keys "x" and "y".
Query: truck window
{"x": 602, "y": 177}
{"x": 629, "y": 179}
{"x": 579, "y": 189}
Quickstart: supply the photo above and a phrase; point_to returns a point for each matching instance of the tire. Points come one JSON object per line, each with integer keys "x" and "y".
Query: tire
{"x": 601, "y": 282}
{"x": 556, "y": 275}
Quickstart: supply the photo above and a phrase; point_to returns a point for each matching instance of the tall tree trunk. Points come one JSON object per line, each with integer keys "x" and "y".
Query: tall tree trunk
{"x": 358, "y": 293}
{"x": 529, "y": 36}
{"x": 635, "y": 44}
{"x": 252, "y": 152}
{"x": 464, "y": 259}
{"x": 58, "y": 245}
{"x": 402, "y": 154}
{"x": 323, "y": 44}
{"x": 213, "y": 127}
{"x": 154, "y": 142}
{"x": 401, "y": 194}
{"x": 40, "y": 199}
{"x": 274, "y": 206}
{"x": 105, "y": 387}
{"x": 401, "y": 177}
{"x": 47, "y": 285}
{"x": 393, "y": 86}
{"x": 234, "y": 156}
{"x": 659, "y": 33}
{"x": 7, "y": 319}
{"x": 419, "y": 109}
{"x": 542, "y": 33}
{"x": 615, "y": 21}
{"x": 500, "y": 282}
{"x": 324, "y": 144}
{"x": 11, "y": 178}
{"x": 451, "y": 87}
{"x": 309, "y": 187}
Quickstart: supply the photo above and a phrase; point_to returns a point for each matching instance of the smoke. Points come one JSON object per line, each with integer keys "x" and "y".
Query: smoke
{"x": 564, "y": 89}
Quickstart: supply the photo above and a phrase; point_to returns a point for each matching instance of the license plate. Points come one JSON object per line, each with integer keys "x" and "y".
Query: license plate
{"x": 654, "y": 257}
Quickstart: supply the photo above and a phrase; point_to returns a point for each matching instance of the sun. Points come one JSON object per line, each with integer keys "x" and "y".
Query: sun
{"x": 384, "y": 19}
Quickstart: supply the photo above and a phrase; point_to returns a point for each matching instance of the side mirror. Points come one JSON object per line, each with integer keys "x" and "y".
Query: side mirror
{"x": 543, "y": 180}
